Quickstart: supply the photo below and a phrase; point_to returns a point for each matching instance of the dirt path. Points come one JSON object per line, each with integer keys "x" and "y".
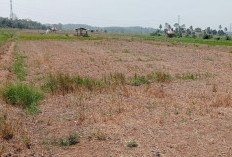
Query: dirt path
{"x": 6, "y": 58}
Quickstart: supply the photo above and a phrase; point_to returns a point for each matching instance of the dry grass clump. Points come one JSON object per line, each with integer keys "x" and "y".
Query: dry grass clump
{"x": 153, "y": 77}
{"x": 115, "y": 79}
{"x": 160, "y": 77}
{"x": 6, "y": 128}
{"x": 65, "y": 83}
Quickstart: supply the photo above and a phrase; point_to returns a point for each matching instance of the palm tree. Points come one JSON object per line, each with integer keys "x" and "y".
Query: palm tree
{"x": 225, "y": 29}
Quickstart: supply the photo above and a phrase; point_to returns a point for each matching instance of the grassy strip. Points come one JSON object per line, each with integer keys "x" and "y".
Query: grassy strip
{"x": 23, "y": 95}
{"x": 186, "y": 40}
{"x": 19, "y": 67}
{"x": 5, "y": 35}
{"x": 65, "y": 83}
{"x": 42, "y": 37}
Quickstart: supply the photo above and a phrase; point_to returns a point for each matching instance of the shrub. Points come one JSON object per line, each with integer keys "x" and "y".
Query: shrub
{"x": 217, "y": 38}
{"x": 155, "y": 34}
{"x": 207, "y": 36}
{"x": 132, "y": 144}
{"x": 227, "y": 38}
{"x": 23, "y": 95}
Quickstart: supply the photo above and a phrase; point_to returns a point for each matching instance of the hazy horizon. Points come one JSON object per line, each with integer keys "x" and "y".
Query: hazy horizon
{"x": 106, "y": 13}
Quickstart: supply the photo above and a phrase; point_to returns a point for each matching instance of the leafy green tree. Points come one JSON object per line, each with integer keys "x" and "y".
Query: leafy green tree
{"x": 21, "y": 24}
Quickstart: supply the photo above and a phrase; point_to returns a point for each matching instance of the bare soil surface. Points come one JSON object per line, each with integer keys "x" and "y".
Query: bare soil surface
{"x": 191, "y": 117}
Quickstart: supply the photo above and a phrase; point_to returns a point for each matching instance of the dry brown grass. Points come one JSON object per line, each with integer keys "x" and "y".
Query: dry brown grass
{"x": 175, "y": 117}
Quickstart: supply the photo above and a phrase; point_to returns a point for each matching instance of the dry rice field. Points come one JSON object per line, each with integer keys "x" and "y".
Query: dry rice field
{"x": 188, "y": 115}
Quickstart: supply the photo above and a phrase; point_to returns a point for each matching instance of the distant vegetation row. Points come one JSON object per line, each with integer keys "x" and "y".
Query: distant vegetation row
{"x": 136, "y": 29}
{"x": 21, "y": 24}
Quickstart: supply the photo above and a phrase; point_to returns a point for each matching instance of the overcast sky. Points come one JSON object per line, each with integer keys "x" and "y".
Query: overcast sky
{"x": 146, "y": 13}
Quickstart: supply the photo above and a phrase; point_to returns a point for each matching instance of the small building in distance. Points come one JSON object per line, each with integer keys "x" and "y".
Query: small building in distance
{"x": 170, "y": 33}
{"x": 82, "y": 32}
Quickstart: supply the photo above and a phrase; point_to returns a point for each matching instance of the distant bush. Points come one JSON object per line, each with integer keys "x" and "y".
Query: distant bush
{"x": 194, "y": 36}
{"x": 217, "y": 38}
{"x": 155, "y": 34}
{"x": 227, "y": 38}
{"x": 207, "y": 36}
{"x": 23, "y": 95}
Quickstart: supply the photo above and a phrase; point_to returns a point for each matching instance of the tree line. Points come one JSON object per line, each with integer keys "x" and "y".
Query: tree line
{"x": 21, "y": 24}
{"x": 182, "y": 29}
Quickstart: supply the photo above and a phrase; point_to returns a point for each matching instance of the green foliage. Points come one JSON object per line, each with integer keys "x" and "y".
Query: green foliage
{"x": 24, "y": 95}
{"x": 138, "y": 80}
{"x": 132, "y": 144}
{"x": 195, "y": 40}
{"x": 227, "y": 38}
{"x": 5, "y": 35}
{"x": 188, "y": 77}
{"x": 207, "y": 36}
{"x": 217, "y": 38}
{"x": 19, "y": 67}
{"x": 155, "y": 34}
{"x": 70, "y": 140}
{"x": 20, "y": 23}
